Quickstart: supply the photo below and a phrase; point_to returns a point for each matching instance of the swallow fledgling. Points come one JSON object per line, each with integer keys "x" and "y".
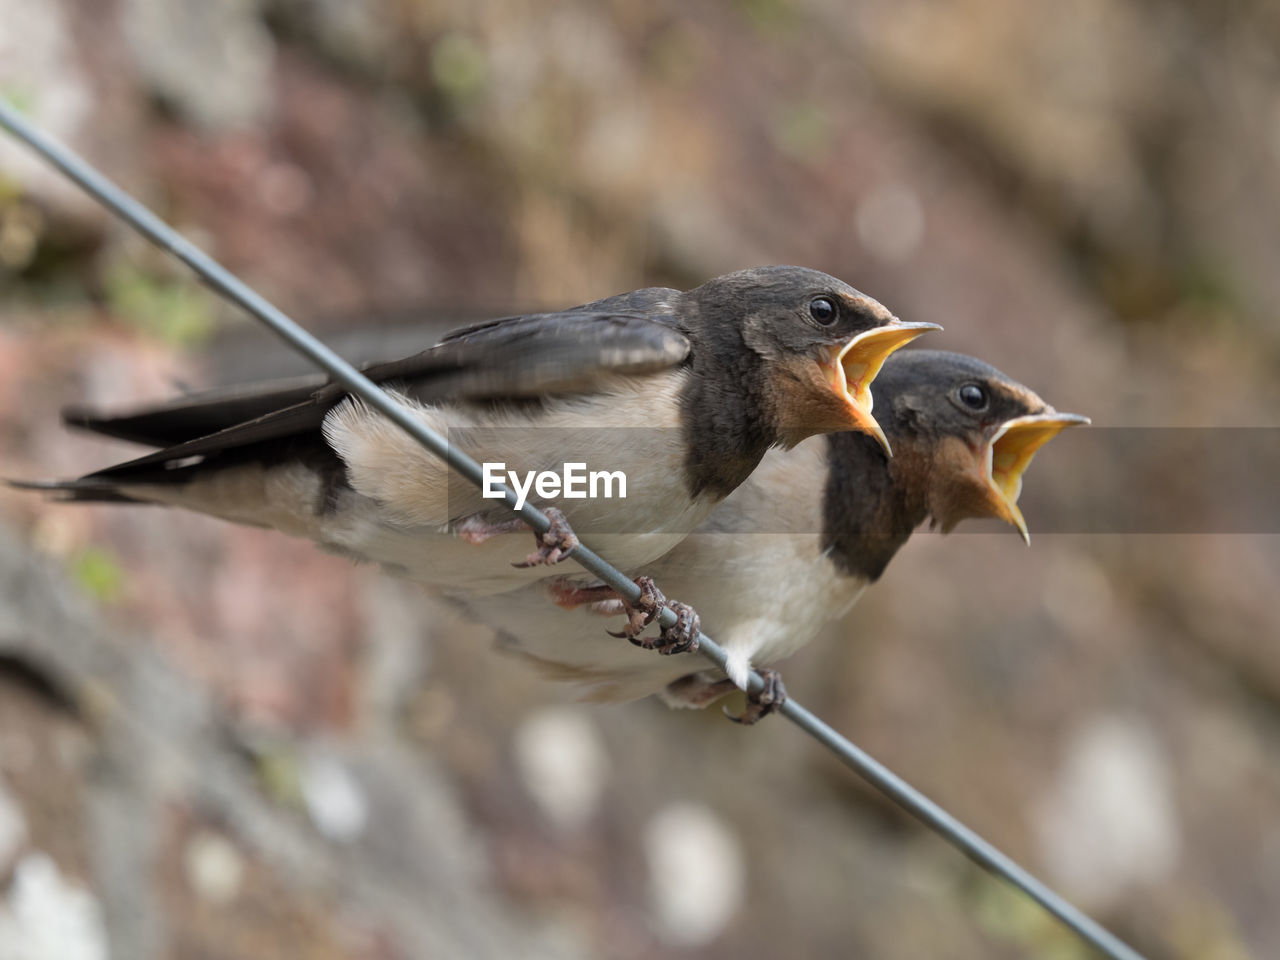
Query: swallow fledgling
{"x": 681, "y": 392}
{"x": 796, "y": 544}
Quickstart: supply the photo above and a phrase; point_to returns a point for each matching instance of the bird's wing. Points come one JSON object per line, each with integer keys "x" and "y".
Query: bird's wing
{"x": 541, "y": 355}
{"x": 516, "y": 358}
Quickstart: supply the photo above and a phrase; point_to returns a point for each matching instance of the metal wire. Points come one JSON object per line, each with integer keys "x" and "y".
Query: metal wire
{"x": 226, "y": 285}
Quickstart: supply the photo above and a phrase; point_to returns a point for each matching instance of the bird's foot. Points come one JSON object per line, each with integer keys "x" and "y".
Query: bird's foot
{"x": 759, "y": 705}
{"x": 554, "y": 545}
{"x": 681, "y": 637}
{"x": 643, "y": 611}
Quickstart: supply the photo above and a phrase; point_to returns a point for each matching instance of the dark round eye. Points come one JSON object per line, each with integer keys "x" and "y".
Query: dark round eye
{"x": 973, "y": 396}
{"x": 822, "y": 310}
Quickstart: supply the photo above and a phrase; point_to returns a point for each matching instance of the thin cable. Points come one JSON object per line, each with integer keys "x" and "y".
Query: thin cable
{"x": 230, "y": 287}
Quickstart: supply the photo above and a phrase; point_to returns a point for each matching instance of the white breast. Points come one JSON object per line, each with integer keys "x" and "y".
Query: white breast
{"x": 761, "y": 594}
{"x": 403, "y": 500}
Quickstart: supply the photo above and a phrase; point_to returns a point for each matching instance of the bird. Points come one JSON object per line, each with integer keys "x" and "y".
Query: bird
{"x": 683, "y": 392}
{"x": 796, "y": 544}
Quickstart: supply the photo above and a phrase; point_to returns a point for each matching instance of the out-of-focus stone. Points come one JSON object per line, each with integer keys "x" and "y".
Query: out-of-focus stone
{"x": 356, "y": 32}
{"x": 215, "y": 869}
{"x": 334, "y": 798}
{"x": 41, "y": 76}
{"x": 13, "y": 828}
{"x": 697, "y": 874}
{"x": 47, "y": 917}
{"x": 1109, "y": 824}
{"x": 212, "y": 61}
{"x": 563, "y": 763}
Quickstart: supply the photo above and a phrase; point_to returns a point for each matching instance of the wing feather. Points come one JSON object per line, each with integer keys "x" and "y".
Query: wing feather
{"x": 516, "y": 358}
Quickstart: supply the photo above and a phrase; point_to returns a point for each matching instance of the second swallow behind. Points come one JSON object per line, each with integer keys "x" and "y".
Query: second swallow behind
{"x": 793, "y": 547}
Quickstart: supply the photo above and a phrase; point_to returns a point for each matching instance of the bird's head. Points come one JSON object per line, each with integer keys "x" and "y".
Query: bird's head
{"x": 968, "y": 433}
{"x": 822, "y": 343}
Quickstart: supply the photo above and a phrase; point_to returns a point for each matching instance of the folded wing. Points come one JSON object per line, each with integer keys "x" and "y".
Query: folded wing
{"x": 516, "y": 359}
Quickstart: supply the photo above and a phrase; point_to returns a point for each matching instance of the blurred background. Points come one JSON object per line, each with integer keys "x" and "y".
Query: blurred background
{"x": 219, "y": 743}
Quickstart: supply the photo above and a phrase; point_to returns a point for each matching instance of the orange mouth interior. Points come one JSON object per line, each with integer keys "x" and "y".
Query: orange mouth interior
{"x": 854, "y": 366}
{"x": 1010, "y": 453}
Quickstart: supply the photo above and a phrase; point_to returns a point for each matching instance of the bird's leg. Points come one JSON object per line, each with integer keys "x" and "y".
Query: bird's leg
{"x": 554, "y": 545}
{"x": 696, "y": 691}
{"x": 759, "y": 705}
{"x": 682, "y": 637}
{"x": 614, "y": 606}
{"x": 475, "y": 529}
{"x": 570, "y": 595}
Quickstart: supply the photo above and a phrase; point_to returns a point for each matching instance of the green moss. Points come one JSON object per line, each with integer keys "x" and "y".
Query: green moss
{"x": 1008, "y": 915}
{"x": 280, "y": 774}
{"x": 768, "y": 16}
{"x": 802, "y": 130}
{"x": 175, "y": 312}
{"x": 22, "y": 97}
{"x": 459, "y": 67}
{"x": 98, "y": 573}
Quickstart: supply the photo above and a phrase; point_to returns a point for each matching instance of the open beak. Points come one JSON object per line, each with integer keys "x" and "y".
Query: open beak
{"x": 854, "y": 365}
{"x": 1009, "y": 454}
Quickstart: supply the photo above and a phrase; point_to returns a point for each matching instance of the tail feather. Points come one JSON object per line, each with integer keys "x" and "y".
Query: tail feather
{"x": 196, "y": 415}
{"x": 83, "y": 490}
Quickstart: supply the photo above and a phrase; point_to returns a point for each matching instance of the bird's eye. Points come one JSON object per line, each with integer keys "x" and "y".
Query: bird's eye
{"x": 973, "y": 396}
{"x": 822, "y": 310}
